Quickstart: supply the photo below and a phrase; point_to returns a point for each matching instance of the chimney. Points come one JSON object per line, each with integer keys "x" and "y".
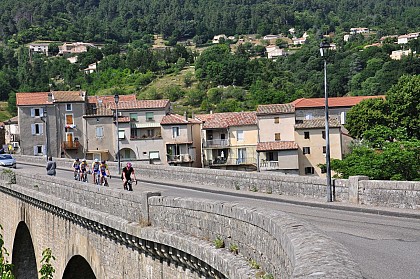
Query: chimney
{"x": 185, "y": 115}
{"x": 50, "y": 97}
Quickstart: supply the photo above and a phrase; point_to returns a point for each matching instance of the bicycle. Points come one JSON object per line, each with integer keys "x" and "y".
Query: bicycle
{"x": 129, "y": 186}
{"x": 76, "y": 175}
{"x": 84, "y": 176}
{"x": 104, "y": 181}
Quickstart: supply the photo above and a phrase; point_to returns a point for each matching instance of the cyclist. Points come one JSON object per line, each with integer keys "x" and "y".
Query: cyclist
{"x": 84, "y": 168}
{"x": 95, "y": 170}
{"x": 76, "y": 168}
{"x": 103, "y": 168}
{"x": 127, "y": 172}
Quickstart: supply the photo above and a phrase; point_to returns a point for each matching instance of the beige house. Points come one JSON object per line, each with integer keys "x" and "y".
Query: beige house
{"x": 276, "y": 149}
{"x": 72, "y": 48}
{"x": 181, "y": 136}
{"x": 229, "y": 140}
{"x": 310, "y": 137}
{"x": 11, "y": 132}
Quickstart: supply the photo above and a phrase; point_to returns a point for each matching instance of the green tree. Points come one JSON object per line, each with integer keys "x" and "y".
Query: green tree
{"x": 5, "y": 267}
{"x": 47, "y": 269}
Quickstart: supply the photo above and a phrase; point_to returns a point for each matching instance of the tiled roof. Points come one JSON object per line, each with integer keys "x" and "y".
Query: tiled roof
{"x": 68, "y": 96}
{"x": 276, "y": 145}
{"x": 140, "y": 104}
{"x": 275, "y": 109}
{"x": 30, "y": 99}
{"x": 105, "y": 99}
{"x": 318, "y": 123}
{"x": 332, "y": 101}
{"x": 98, "y": 110}
{"x": 227, "y": 119}
{"x": 177, "y": 119}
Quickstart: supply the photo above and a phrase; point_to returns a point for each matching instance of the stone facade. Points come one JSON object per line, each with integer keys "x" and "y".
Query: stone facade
{"x": 150, "y": 236}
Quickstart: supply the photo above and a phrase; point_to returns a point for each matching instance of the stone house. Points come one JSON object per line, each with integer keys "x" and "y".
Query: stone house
{"x": 181, "y": 136}
{"x": 229, "y": 140}
{"x": 72, "y": 48}
{"x": 39, "y": 47}
{"x": 50, "y": 123}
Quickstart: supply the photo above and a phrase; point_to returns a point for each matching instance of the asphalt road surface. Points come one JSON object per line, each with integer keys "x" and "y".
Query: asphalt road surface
{"x": 385, "y": 247}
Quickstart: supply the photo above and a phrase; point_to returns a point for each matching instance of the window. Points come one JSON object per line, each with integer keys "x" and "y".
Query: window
{"x": 175, "y": 132}
{"x": 324, "y": 149}
{"x": 69, "y": 119}
{"x": 39, "y": 150}
{"x": 37, "y": 112}
{"x": 306, "y": 135}
{"x": 309, "y": 170}
{"x": 309, "y": 116}
{"x": 343, "y": 118}
{"x": 272, "y": 156}
{"x": 277, "y": 136}
{"x": 323, "y": 134}
{"x": 240, "y": 135}
{"x": 133, "y": 116}
{"x": 276, "y": 120}
{"x": 149, "y": 116}
{"x": 306, "y": 150}
{"x": 37, "y": 129}
{"x": 99, "y": 132}
{"x": 69, "y": 107}
{"x": 121, "y": 134}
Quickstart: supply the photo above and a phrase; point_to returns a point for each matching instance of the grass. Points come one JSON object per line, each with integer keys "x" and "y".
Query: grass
{"x": 4, "y": 113}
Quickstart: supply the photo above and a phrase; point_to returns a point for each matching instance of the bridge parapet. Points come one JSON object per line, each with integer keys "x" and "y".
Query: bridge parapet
{"x": 181, "y": 230}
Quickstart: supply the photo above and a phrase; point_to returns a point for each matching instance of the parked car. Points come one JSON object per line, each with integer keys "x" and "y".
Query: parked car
{"x": 6, "y": 160}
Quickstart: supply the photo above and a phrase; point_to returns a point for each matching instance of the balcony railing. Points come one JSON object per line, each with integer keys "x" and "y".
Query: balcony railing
{"x": 145, "y": 137}
{"x": 216, "y": 143}
{"x": 70, "y": 144}
{"x": 182, "y": 158}
{"x": 269, "y": 165}
{"x": 231, "y": 161}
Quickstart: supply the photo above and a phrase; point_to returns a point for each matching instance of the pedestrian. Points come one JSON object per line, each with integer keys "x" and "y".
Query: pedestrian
{"x": 51, "y": 166}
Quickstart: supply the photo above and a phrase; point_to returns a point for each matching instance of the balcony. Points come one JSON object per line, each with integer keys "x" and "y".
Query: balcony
{"x": 216, "y": 143}
{"x": 231, "y": 161}
{"x": 182, "y": 158}
{"x": 145, "y": 137}
{"x": 70, "y": 145}
{"x": 269, "y": 165}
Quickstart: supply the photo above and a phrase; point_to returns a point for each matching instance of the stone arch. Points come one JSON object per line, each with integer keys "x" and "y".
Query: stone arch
{"x": 127, "y": 154}
{"x": 78, "y": 268}
{"x": 23, "y": 255}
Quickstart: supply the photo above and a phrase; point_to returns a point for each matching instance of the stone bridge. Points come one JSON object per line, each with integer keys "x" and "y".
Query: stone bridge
{"x": 108, "y": 233}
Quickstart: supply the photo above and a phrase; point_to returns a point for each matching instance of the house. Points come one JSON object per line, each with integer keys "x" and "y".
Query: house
{"x": 276, "y": 149}
{"x": 182, "y": 138}
{"x": 271, "y": 37}
{"x": 404, "y": 39}
{"x": 139, "y": 130}
{"x": 91, "y": 68}
{"x": 229, "y": 140}
{"x": 359, "y": 30}
{"x": 398, "y": 54}
{"x": 300, "y": 41}
{"x": 50, "y": 123}
{"x": 39, "y": 47}
{"x": 310, "y": 137}
{"x": 72, "y": 48}
{"x": 216, "y": 39}
{"x": 274, "y": 51}
{"x": 11, "y": 133}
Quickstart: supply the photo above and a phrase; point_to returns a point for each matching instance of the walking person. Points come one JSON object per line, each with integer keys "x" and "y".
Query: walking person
{"x": 51, "y": 166}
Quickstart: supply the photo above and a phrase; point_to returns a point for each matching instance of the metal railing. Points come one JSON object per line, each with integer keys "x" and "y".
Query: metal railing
{"x": 216, "y": 143}
{"x": 70, "y": 144}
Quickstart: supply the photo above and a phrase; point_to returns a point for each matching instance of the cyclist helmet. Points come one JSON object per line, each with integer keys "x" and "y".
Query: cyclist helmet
{"x": 83, "y": 160}
{"x": 96, "y": 161}
{"x": 77, "y": 159}
{"x": 128, "y": 165}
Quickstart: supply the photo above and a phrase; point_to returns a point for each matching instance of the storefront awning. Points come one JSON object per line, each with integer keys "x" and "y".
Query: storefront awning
{"x": 148, "y": 125}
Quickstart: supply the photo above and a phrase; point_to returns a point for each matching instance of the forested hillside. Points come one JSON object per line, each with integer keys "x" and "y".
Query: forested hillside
{"x": 128, "y": 20}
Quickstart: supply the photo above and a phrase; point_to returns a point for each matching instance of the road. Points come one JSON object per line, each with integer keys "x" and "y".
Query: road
{"x": 385, "y": 247}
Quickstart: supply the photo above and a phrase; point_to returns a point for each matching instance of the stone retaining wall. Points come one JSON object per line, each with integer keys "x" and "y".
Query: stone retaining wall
{"x": 280, "y": 244}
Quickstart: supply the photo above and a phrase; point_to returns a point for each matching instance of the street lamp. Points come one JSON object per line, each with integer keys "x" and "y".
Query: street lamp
{"x": 324, "y": 49}
{"x": 117, "y": 99}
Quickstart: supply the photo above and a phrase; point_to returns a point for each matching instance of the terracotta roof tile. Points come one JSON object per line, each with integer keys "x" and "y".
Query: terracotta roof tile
{"x": 275, "y": 109}
{"x": 227, "y": 119}
{"x": 276, "y": 145}
{"x": 68, "y": 96}
{"x": 332, "y": 101}
{"x": 317, "y": 123}
{"x": 177, "y": 119}
{"x": 140, "y": 104}
{"x": 98, "y": 110}
{"x": 30, "y": 99}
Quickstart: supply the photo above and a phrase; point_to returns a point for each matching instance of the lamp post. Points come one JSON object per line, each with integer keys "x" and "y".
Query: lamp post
{"x": 324, "y": 48}
{"x": 47, "y": 140}
{"x": 117, "y": 98}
